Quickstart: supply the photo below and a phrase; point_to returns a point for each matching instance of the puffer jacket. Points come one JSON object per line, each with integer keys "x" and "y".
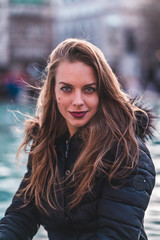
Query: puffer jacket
{"x": 106, "y": 214}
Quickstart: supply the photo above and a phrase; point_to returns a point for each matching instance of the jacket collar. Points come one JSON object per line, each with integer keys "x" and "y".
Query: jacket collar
{"x": 74, "y": 142}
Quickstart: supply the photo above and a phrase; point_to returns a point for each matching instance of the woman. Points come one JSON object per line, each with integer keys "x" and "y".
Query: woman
{"x": 89, "y": 173}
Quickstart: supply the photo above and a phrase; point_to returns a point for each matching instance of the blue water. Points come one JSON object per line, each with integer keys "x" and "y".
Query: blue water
{"x": 11, "y": 174}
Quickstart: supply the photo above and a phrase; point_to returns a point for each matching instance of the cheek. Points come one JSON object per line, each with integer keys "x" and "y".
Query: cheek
{"x": 58, "y": 100}
{"x": 58, "y": 97}
{"x": 62, "y": 102}
{"x": 95, "y": 102}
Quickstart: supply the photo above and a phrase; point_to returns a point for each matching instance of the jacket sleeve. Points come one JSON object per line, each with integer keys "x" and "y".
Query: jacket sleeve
{"x": 121, "y": 210}
{"x": 20, "y": 222}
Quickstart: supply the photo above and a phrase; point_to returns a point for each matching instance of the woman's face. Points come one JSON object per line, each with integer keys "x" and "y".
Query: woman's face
{"x": 76, "y": 93}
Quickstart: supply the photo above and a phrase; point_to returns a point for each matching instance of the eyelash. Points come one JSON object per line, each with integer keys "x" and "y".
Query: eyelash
{"x": 90, "y": 88}
{"x": 68, "y": 89}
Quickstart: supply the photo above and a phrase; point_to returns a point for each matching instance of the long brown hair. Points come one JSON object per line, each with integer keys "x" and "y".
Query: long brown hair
{"x": 114, "y": 123}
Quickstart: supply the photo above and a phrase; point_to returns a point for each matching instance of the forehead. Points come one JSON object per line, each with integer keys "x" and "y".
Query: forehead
{"x": 76, "y": 71}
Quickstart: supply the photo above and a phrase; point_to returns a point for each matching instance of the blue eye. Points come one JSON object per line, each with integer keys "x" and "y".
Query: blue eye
{"x": 90, "y": 89}
{"x": 66, "y": 89}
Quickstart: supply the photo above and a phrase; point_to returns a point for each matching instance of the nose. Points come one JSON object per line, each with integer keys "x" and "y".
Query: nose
{"x": 78, "y": 99}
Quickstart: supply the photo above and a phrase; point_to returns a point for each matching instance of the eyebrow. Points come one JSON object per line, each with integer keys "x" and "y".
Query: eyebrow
{"x": 64, "y": 83}
{"x": 90, "y": 84}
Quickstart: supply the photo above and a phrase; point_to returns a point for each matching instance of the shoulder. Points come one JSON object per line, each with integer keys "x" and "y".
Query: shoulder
{"x": 136, "y": 188}
{"x": 145, "y": 160}
{"x": 143, "y": 177}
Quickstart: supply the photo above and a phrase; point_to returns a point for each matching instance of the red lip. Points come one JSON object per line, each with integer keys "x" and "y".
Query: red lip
{"x": 78, "y": 114}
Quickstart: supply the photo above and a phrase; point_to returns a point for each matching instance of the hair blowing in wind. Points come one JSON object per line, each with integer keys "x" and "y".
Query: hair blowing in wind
{"x": 114, "y": 122}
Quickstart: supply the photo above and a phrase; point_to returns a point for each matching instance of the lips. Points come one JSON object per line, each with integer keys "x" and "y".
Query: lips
{"x": 78, "y": 114}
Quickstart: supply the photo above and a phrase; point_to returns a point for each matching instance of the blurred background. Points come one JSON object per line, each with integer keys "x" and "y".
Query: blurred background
{"x": 128, "y": 33}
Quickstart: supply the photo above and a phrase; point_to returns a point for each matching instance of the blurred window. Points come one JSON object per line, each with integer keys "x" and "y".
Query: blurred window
{"x": 130, "y": 41}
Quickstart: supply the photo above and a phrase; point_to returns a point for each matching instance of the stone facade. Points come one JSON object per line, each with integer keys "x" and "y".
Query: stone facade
{"x": 4, "y": 33}
{"x": 25, "y": 31}
{"x": 31, "y": 31}
{"x": 116, "y": 27}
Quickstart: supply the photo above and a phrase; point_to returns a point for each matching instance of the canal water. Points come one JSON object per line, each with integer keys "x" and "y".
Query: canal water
{"x": 11, "y": 174}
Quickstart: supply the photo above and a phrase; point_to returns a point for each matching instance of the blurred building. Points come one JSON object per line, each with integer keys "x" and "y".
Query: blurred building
{"x": 4, "y": 33}
{"x": 25, "y": 28}
{"x": 25, "y": 43}
{"x": 114, "y": 26}
{"x": 30, "y": 29}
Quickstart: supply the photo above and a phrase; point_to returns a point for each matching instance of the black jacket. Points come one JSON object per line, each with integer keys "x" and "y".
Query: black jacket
{"x": 106, "y": 214}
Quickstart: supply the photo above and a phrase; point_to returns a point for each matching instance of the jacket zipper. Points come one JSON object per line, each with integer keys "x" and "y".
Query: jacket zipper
{"x": 67, "y": 149}
{"x": 67, "y": 155}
